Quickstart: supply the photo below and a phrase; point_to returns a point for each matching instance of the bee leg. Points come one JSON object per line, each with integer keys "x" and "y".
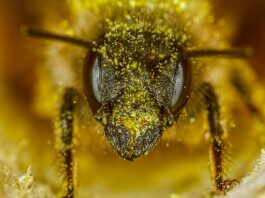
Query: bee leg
{"x": 245, "y": 90}
{"x": 217, "y": 147}
{"x": 66, "y": 142}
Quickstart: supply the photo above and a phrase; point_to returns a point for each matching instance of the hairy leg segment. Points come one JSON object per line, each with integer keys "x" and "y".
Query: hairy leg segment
{"x": 66, "y": 142}
{"x": 217, "y": 147}
{"x": 245, "y": 91}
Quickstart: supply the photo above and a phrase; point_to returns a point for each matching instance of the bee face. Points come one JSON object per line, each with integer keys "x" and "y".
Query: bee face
{"x": 137, "y": 78}
{"x": 132, "y": 125}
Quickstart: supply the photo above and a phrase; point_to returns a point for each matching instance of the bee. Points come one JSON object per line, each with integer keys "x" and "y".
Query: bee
{"x": 140, "y": 67}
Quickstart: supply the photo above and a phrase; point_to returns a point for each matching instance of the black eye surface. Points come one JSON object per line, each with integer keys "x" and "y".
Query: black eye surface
{"x": 96, "y": 78}
{"x": 101, "y": 84}
{"x": 178, "y": 84}
{"x": 92, "y": 76}
{"x": 172, "y": 85}
{"x": 182, "y": 86}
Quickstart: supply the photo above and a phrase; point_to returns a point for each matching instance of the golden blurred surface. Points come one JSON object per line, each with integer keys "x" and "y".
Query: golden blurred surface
{"x": 27, "y": 137}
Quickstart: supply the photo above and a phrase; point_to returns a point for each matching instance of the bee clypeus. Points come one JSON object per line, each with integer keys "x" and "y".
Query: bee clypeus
{"x": 141, "y": 71}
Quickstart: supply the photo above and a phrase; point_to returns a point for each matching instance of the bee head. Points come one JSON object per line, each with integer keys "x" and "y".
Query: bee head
{"x": 137, "y": 78}
{"x": 136, "y": 74}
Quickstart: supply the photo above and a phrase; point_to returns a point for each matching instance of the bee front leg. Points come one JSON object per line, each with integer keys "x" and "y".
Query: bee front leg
{"x": 66, "y": 142}
{"x": 217, "y": 146}
{"x": 246, "y": 91}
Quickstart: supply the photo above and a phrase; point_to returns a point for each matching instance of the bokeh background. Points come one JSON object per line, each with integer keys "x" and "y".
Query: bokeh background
{"x": 19, "y": 59}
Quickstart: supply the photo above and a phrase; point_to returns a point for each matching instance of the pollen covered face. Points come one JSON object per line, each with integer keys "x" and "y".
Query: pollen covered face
{"x": 135, "y": 122}
{"x": 137, "y": 78}
{"x": 136, "y": 66}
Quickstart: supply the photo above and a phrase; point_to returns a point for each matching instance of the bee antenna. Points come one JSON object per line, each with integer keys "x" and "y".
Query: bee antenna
{"x": 43, "y": 34}
{"x": 227, "y": 53}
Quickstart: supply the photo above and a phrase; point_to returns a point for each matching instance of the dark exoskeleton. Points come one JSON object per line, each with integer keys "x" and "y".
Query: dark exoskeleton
{"x": 137, "y": 79}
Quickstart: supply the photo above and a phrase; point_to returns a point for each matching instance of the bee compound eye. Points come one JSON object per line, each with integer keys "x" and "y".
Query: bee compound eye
{"x": 96, "y": 78}
{"x": 178, "y": 84}
{"x": 182, "y": 86}
{"x": 92, "y": 80}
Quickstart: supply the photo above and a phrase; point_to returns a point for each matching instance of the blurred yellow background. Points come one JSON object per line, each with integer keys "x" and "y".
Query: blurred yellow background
{"x": 18, "y": 72}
